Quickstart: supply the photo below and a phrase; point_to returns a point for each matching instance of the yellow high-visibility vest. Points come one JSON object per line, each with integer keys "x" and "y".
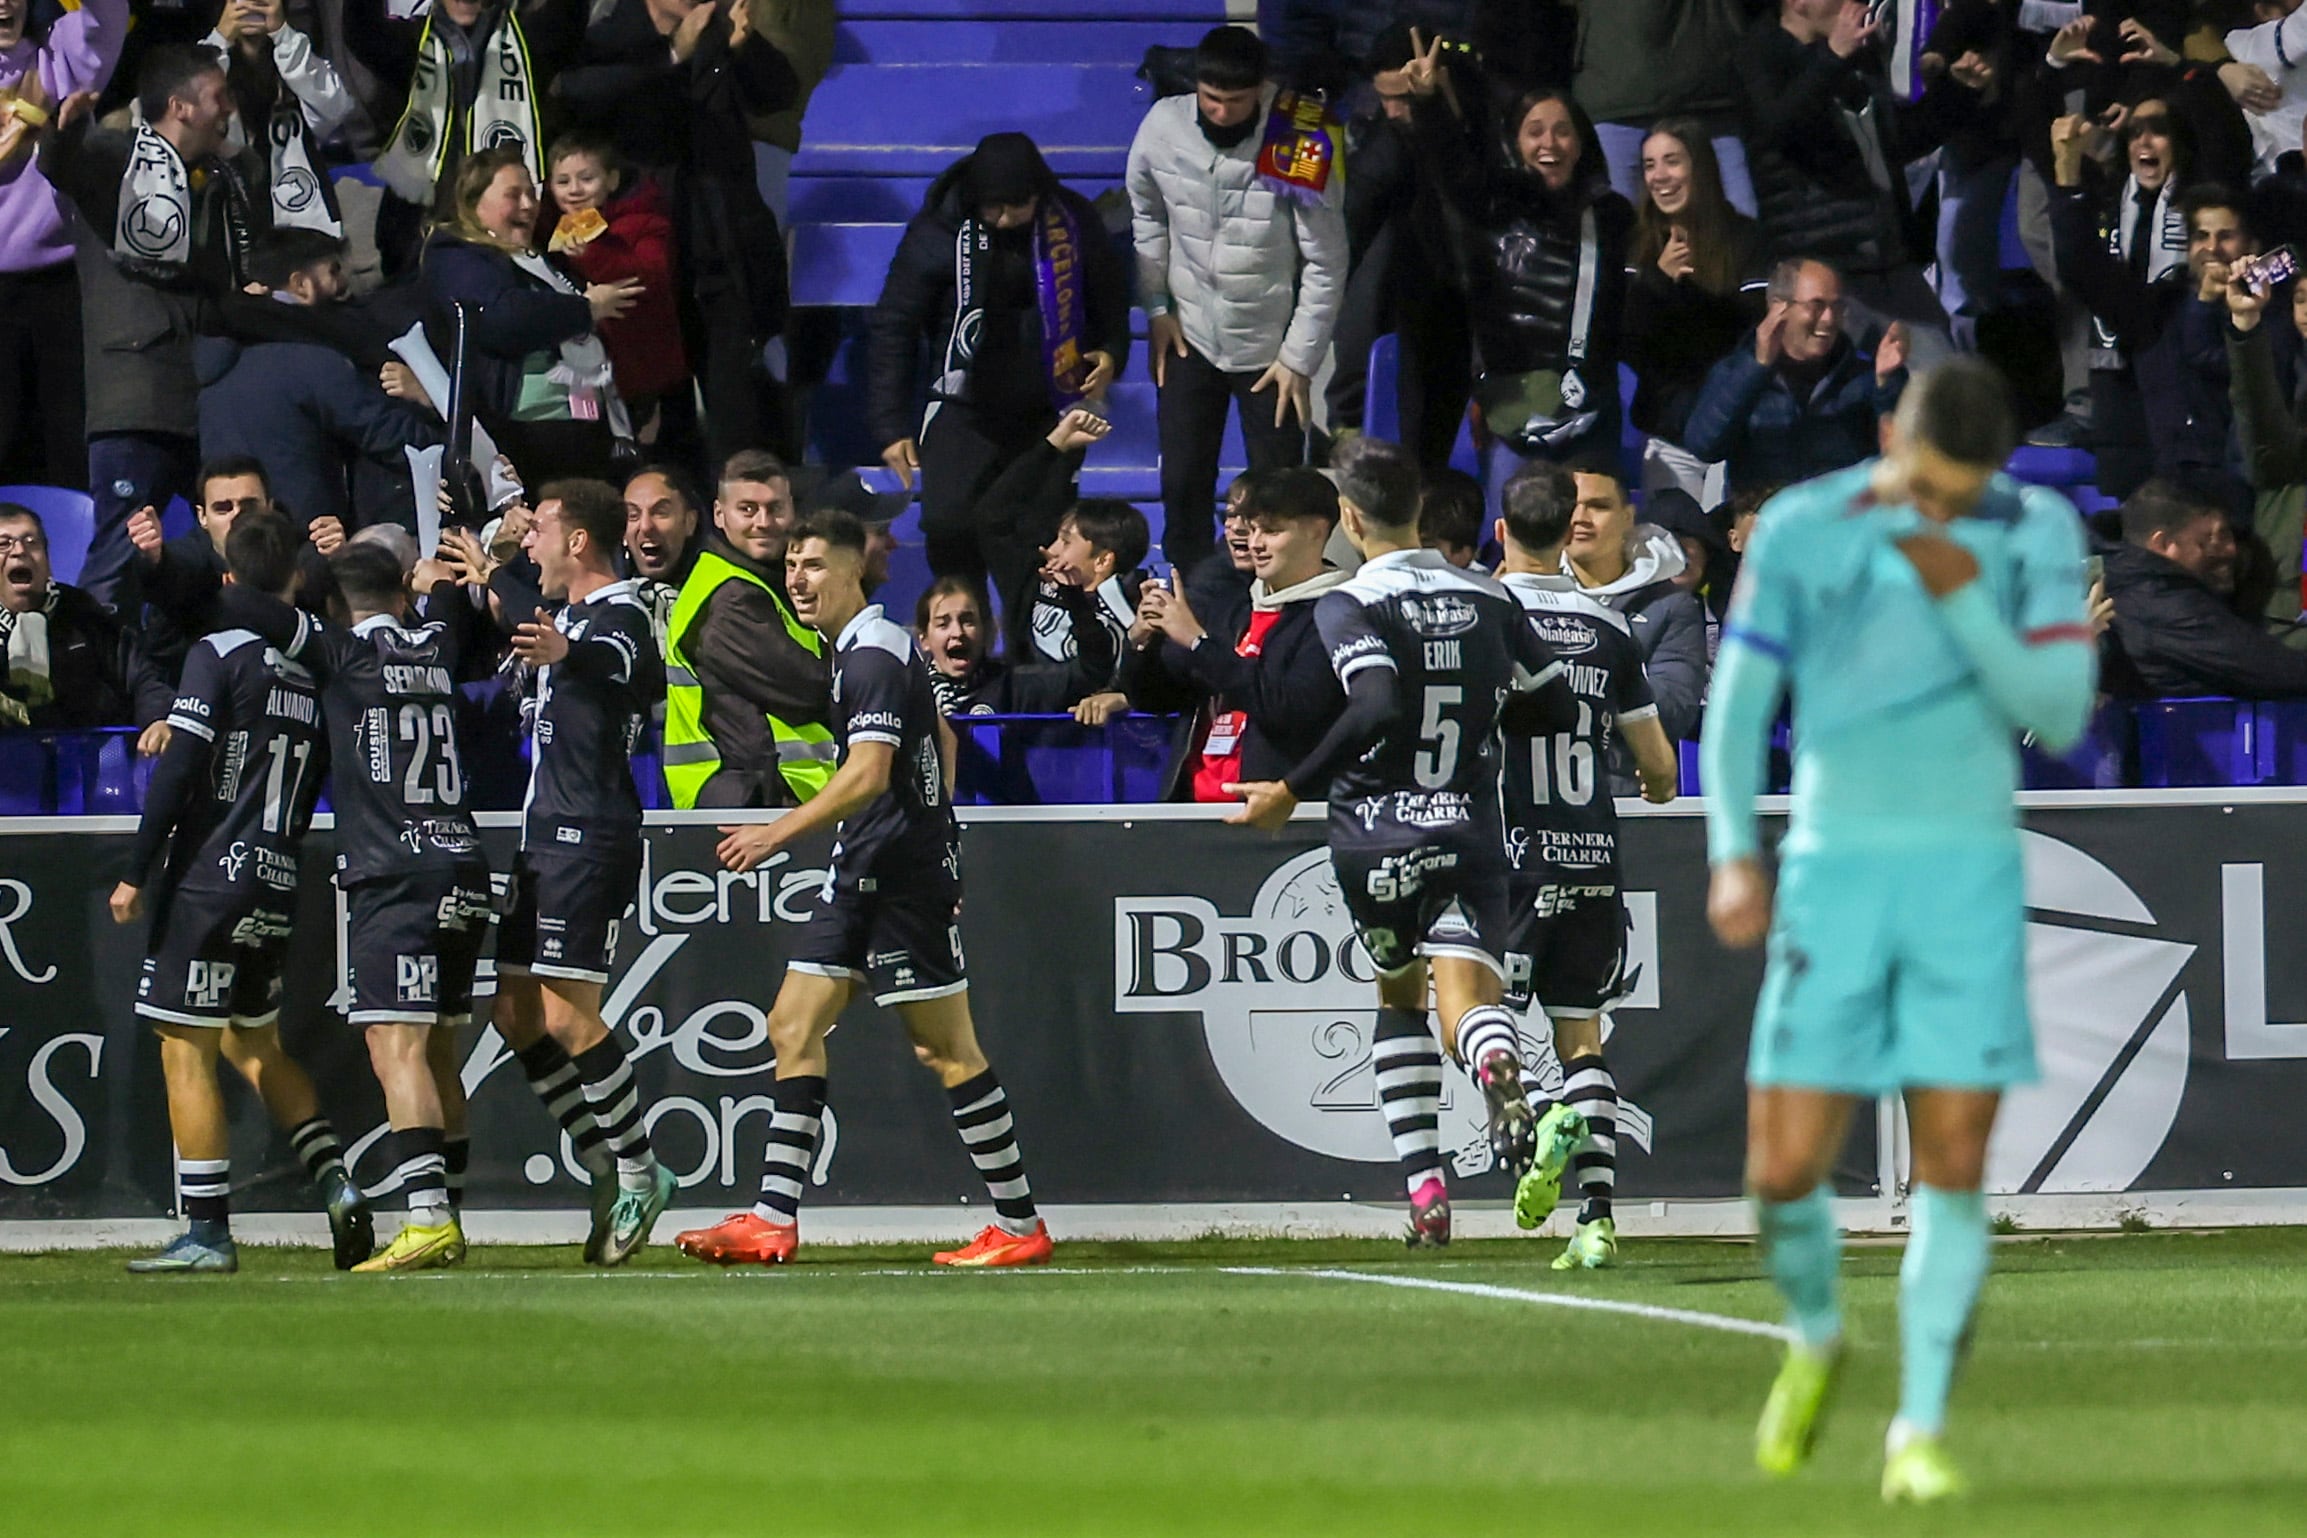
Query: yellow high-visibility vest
{"x": 806, "y": 754}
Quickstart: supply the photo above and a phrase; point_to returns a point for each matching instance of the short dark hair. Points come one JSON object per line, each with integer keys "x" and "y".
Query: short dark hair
{"x": 1962, "y": 408}
{"x": 1537, "y": 504}
{"x": 754, "y": 465}
{"x": 261, "y": 552}
{"x": 578, "y": 141}
{"x": 2160, "y": 506}
{"x": 280, "y": 254}
{"x": 947, "y": 586}
{"x": 2214, "y": 195}
{"x": 1230, "y": 59}
{"x": 682, "y": 483}
{"x": 1381, "y": 479}
{"x": 168, "y": 72}
{"x": 1451, "y": 508}
{"x": 1291, "y": 493}
{"x": 1118, "y": 529}
{"x": 369, "y": 575}
{"x": 594, "y": 506}
{"x": 12, "y": 511}
{"x": 226, "y": 467}
{"x": 841, "y": 529}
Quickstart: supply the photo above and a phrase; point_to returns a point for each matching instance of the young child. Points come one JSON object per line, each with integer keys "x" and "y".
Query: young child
{"x": 1097, "y": 555}
{"x": 609, "y": 231}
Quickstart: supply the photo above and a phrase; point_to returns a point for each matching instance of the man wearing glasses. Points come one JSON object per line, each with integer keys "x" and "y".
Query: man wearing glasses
{"x": 1797, "y": 399}
{"x": 71, "y": 665}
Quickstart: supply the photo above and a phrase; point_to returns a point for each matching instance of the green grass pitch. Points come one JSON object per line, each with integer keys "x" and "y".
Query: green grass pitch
{"x": 2149, "y": 1384}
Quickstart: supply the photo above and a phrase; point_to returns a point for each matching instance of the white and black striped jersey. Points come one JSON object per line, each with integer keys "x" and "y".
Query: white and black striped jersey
{"x": 882, "y": 693}
{"x": 259, "y": 715}
{"x": 389, "y": 694}
{"x": 1458, "y": 645}
{"x": 1561, "y": 822}
{"x": 592, "y": 707}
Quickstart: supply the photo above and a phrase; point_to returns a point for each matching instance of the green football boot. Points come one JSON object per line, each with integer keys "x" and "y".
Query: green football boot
{"x": 1921, "y": 1473}
{"x": 1796, "y": 1407}
{"x": 1592, "y": 1247}
{"x": 635, "y": 1214}
{"x": 1539, "y": 1191}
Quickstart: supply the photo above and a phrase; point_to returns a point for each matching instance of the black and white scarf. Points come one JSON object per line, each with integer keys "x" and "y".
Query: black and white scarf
{"x": 156, "y": 218}
{"x": 299, "y": 189}
{"x": 2169, "y": 252}
{"x": 504, "y": 109}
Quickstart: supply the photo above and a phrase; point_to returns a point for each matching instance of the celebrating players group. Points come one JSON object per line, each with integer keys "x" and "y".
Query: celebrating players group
{"x": 1920, "y": 609}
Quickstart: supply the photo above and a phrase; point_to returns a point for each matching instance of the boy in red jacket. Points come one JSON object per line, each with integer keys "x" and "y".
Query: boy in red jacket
{"x": 607, "y": 233}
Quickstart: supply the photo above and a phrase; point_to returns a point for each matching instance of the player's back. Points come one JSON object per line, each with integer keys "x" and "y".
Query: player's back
{"x": 591, "y": 710}
{"x": 1560, "y": 817}
{"x": 882, "y": 692}
{"x": 260, "y": 714}
{"x": 1895, "y": 738}
{"x": 1450, "y": 637}
{"x": 400, "y": 787}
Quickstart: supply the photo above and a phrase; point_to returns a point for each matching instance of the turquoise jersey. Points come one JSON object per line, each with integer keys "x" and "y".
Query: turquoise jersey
{"x": 1907, "y": 710}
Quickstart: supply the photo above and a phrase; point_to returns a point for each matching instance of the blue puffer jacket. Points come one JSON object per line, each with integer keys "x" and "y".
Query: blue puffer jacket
{"x": 1749, "y": 414}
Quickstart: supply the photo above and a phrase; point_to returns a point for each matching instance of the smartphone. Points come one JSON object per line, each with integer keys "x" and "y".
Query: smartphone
{"x": 2095, "y": 571}
{"x": 2262, "y": 272}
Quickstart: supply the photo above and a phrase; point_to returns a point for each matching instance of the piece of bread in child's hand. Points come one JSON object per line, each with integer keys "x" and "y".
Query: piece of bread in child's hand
{"x": 576, "y": 229}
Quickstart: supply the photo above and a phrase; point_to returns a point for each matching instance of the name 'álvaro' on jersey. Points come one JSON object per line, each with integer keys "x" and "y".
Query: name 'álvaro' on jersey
{"x": 260, "y": 715}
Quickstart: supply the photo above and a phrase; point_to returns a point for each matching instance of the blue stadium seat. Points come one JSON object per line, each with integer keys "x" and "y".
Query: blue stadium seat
{"x": 99, "y": 775}
{"x": 917, "y": 119}
{"x": 2106, "y": 758}
{"x": 1078, "y": 40}
{"x": 2281, "y": 742}
{"x": 70, "y": 518}
{"x": 841, "y": 264}
{"x": 2053, "y": 467}
{"x": 1004, "y": 12}
{"x": 27, "y": 775}
{"x": 1382, "y": 395}
{"x": 1056, "y": 761}
{"x": 2212, "y": 742}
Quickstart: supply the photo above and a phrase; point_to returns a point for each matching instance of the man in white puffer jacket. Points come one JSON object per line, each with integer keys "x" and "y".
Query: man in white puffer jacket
{"x": 1237, "y": 199}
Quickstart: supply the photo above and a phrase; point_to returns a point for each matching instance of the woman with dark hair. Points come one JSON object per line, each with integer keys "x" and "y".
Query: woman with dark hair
{"x": 1542, "y": 240}
{"x": 1695, "y": 282}
{"x": 540, "y": 377}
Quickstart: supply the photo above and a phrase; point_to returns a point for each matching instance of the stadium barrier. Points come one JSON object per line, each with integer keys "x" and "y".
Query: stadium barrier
{"x": 1183, "y": 1021}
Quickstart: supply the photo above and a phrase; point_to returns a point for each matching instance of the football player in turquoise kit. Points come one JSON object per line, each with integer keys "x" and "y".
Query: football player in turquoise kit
{"x": 1923, "y": 611}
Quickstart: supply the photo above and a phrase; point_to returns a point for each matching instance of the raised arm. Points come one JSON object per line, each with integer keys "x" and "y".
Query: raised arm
{"x": 2041, "y": 674}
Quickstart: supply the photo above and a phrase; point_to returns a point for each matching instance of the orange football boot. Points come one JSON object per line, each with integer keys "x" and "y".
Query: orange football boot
{"x": 996, "y": 1246}
{"x": 742, "y": 1238}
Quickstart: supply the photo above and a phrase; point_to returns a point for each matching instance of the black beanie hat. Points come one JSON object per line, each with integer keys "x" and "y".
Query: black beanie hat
{"x": 1007, "y": 168}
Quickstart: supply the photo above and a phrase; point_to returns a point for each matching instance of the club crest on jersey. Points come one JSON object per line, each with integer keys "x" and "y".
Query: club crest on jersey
{"x": 233, "y": 860}
{"x": 1439, "y": 614}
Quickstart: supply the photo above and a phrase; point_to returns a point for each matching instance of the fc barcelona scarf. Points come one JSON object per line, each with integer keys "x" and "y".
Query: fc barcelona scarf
{"x": 1299, "y": 153}
{"x": 1057, "y": 281}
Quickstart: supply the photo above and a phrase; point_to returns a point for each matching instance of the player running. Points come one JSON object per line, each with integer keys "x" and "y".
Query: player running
{"x": 1429, "y": 656}
{"x": 1923, "y": 610}
{"x": 888, "y": 917}
{"x": 598, "y": 677}
{"x": 1566, "y": 942}
{"x": 408, "y": 857}
{"x": 231, "y": 799}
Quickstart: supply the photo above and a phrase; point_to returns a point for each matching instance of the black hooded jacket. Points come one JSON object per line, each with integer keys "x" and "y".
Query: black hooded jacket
{"x": 2173, "y": 636}
{"x": 1004, "y": 377}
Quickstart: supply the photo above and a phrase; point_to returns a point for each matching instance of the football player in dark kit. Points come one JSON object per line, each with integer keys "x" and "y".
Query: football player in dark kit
{"x": 231, "y": 799}
{"x": 888, "y": 917}
{"x": 1566, "y": 948}
{"x": 599, "y": 676}
{"x": 408, "y": 856}
{"x": 1431, "y": 658}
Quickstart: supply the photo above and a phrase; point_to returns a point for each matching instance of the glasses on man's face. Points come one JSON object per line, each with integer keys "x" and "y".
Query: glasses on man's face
{"x": 30, "y": 544}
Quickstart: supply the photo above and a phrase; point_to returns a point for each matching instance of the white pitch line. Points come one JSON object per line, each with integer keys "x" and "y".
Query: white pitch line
{"x": 1727, "y": 1323}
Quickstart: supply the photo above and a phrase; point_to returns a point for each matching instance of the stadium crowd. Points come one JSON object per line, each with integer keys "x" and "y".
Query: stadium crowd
{"x": 561, "y": 265}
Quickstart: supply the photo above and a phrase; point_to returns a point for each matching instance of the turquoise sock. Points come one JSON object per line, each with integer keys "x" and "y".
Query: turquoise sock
{"x": 1946, "y": 1263}
{"x": 1803, "y": 1250}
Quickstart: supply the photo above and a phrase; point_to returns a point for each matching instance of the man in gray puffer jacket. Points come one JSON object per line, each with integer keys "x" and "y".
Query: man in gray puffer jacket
{"x": 1238, "y": 211}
